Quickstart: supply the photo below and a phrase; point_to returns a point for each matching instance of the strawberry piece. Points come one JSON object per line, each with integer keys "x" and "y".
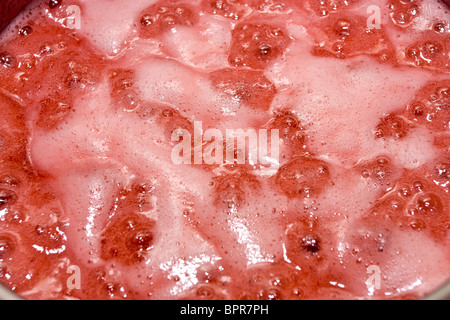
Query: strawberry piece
{"x": 249, "y": 86}
{"x": 255, "y": 45}
{"x": 162, "y": 16}
{"x": 171, "y": 121}
{"x": 282, "y": 281}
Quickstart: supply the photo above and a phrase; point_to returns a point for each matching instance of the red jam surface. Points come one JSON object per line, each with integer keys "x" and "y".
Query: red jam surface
{"x": 92, "y": 205}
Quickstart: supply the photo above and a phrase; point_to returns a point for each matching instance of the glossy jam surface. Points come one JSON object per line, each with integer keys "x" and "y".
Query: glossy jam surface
{"x": 92, "y": 205}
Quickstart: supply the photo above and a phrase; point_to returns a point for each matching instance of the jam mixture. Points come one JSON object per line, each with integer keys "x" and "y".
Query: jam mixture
{"x": 356, "y": 206}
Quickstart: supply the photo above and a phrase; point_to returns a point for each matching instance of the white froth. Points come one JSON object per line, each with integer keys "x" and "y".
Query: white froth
{"x": 110, "y": 25}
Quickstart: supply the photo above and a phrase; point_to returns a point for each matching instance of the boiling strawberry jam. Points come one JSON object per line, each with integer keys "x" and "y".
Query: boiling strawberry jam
{"x": 355, "y": 206}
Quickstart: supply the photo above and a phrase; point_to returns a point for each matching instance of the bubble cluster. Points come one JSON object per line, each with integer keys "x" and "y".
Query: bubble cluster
{"x": 256, "y": 44}
{"x": 161, "y": 17}
{"x": 226, "y": 8}
{"x": 7, "y": 247}
{"x": 52, "y": 111}
{"x": 343, "y": 35}
{"x": 55, "y": 4}
{"x": 249, "y": 86}
{"x": 232, "y": 188}
{"x": 416, "y": 203}
{"x": 130, "y": 235}
{"x": 430, "y": 106}
{"x": 392, "y": 126}
{"x": 7, "y": 197}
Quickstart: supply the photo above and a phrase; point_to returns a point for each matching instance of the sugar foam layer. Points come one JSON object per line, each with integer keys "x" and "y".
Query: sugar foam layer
{"x": 93, "y": 93}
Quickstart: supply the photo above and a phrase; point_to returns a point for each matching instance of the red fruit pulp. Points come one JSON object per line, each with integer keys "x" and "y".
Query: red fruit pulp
{"x": 87, "y": 176}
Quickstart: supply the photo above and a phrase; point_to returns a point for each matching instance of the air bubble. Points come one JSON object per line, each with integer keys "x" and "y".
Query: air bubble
{"x": 45, "y": 49}
{"x": 404, "y": 17}
{"x": 443, "y": 170}
{"x": 271, "y": 294}
{"x": 412, "y": 53}
{"x": 277, "y": 32}
{"x": 6, "y": 247}
{"x": 265, "y": 50}
{"x": 147, "y": 20}
{"x": 429, "y": 203}
{"x": 418, "y": 110}
{"x": 111, "y": 288}
{"x": 418, "y": 185}
{"x": 310, "y": 244}
{"x": 323, "y": 12}
{"x": 439, "y": 27}
{"x": 405, "y": 192}
{"x": 54, "y": 4}
{"x": 141, "y": 241}
{"x": 167, "y": 113}
{"x": 7, "y": 59}
{"x": 16, "y": 216}
{"x": 338, "y": 47}
{"x": 7, "y": 197}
